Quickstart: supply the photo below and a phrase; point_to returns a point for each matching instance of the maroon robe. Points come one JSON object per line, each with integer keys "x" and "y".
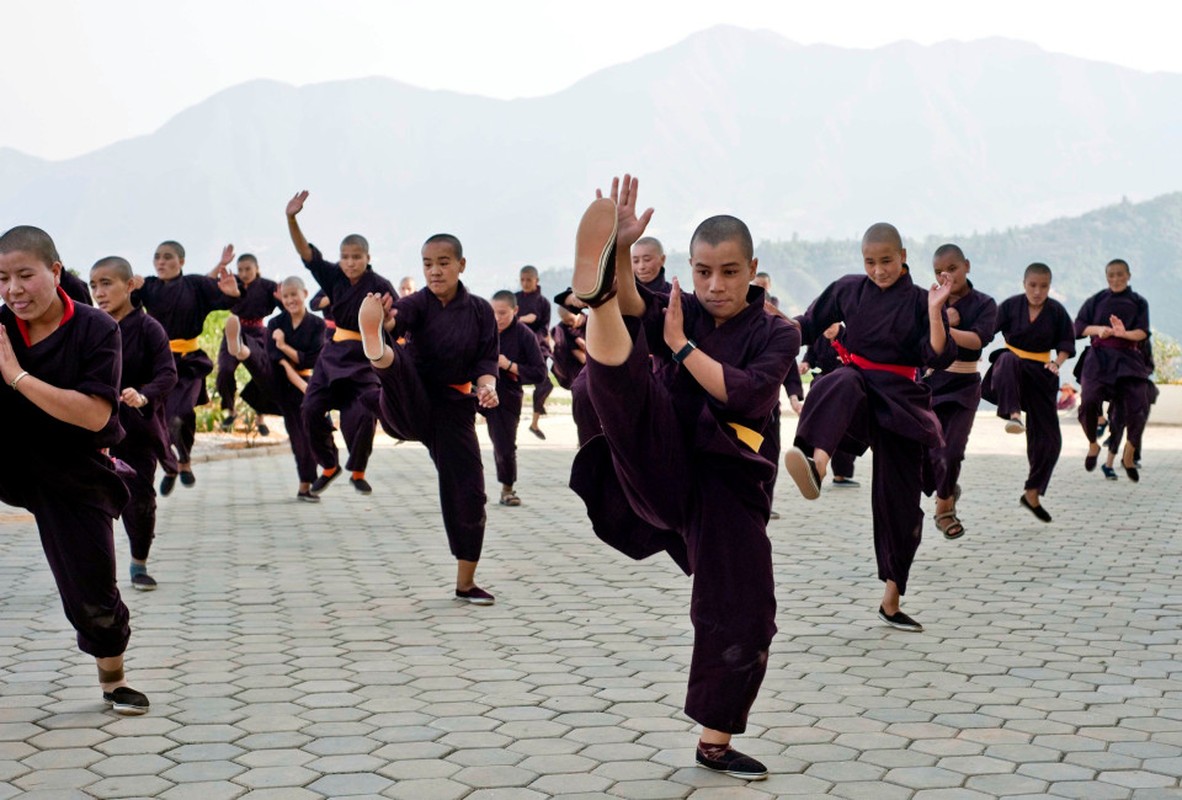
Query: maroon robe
{"x": 258, "y": 302}
{"x": 181, "y": 306}
{"x": 1113, "y": 369}
{"x": 957, "y": 395}
{"x": 62, "y": 476}
{"x": 518, "y": 344}
{"x": 1020, "y": 384}
{"x": 343, "y": 378}
{"x": 536, "y": 303}
{"x": 853, "y": 408}
{"x": 149, "y": 368}
{"x": 671, "y": 473}
{"x": 425, "y": 398}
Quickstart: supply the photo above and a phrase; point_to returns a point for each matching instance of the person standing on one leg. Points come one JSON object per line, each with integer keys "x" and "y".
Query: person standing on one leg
{"x": 956, "y": 390}
{"x": 1023, "y": 377}
{"x": 1115, "y": 368}
{"x": 533, "y": 310}
{"x": 442, "y": 340}
{"x": 683, "y": 466}
{"x": 149, "y": 373}
{"x": 259, "y": 299}
{"x": 570, "y": 356}
{"x": 892, "y": 329}
{"x": 342, "y": 378}
{"x": 520, "y": 362}
{"x": 60, "y": 367}
{"x": 181, "y": 303}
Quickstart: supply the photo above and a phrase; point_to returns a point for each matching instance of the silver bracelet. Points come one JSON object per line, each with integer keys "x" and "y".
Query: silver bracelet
{"x": 17, "y": 379}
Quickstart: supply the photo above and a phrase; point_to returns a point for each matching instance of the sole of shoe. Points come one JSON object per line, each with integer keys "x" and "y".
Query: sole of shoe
{"x": 595, "y": 241}
{"x": 1014, "y": 426}
{"x": 369, "y": 319}
{"x": 233, "y": 335}
{"x": 797, "y": 464}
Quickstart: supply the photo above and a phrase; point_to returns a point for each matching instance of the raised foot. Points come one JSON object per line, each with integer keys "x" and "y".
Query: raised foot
{"x": 234, "y": 342}
{"x": 803, "y": 472}
{"x": 594, "y": 276}
{"x": 370, "y": 317}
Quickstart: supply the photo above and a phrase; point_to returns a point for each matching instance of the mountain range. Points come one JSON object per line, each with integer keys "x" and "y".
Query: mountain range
{"x": 806, "y": 143}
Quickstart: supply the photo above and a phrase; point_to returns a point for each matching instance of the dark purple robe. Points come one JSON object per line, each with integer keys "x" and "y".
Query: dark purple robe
{"x": 75, "y": 287}
{"x": 343, "y": 378}
{"x": 518, "y": 344}
{"x": 659, "y": 285}
{"x": 181, "y": 306}
{"x": 822, "y": 356}
{"x": 62, "y": 476}
{"x": 564, "y": 365}
{"x": 424, "y": 398}
{"x": 307, "y": 340}
{"x": 677, "y": 471}
{"x": 149, "y": 368}
{"x": 536, "y": 303}
{"x": 258, "y": 302}
{"x": 956, "y": 395}
{"x": 853, "y": 408}
{"x": 1114, "y": 369}
{"x": 1020, "y": 384}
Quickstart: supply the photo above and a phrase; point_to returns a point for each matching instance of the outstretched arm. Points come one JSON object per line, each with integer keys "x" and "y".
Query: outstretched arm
{"x": 294, "y": 206}
{"x": 219, "y": 268}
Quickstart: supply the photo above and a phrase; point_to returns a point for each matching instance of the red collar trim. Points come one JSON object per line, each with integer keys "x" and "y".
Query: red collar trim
{"x": 67, "y": 315}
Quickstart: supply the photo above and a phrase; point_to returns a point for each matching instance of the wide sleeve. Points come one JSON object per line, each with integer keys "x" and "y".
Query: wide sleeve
{"x": 1141, "y": 321}
{"x": 163, "y": 365}
{"x": 753, "y": 390}
{"x": 312, "y": 344}
{"x": 1065, "y": 332}
{"x": 210, "y": 294}
{"x": 531, "y": 368}
{"x": 821, "y": 313}
{"x": 1086, "y": 316}
{"x": 101, "y": 364}
{"x": 487, "y": 351}
{"x": 985, "y": 325}
{"x": 930, "y": 357}
{"x": 324, "y": 272}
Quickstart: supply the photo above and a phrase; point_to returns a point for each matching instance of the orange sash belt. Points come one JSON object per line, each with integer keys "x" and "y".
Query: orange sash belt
{"x": 183, "y": 346}
{"x": 345, "y": 335}
{"x": 864, "y": 363}
{"x": 462, "y": 388}
{"x": 1045, "y": 358}
{"x": 304, "y": 373}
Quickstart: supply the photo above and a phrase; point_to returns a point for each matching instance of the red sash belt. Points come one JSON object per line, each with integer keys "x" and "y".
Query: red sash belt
{"x": 864, "y": 363}
{"x": 251, "y": 323}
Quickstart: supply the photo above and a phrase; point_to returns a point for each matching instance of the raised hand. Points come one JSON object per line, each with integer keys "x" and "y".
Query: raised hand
{"x": 9, "y": 366}
{"x": 227, "y": 255}
{"x": 391, "y": 311}
{"x": 629, "y": 226}
{"x": 1118, "y": 326}
{"x": 278, "y": 336}
{"x": 137, "y": 282}
{"x": 953, "y": 317}
{"x": 296, "y": 204}
{"x": 940, "y": 291}
{"x": 675, "y": 320}
{"x": 227, "y": 282}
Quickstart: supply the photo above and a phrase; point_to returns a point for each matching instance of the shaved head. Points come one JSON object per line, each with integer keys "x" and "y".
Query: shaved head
{"x": 34, "y": 241}
{"x": 116, "y": 264}
{"x": 883, "y": 233}
{"x": 949, "y": 249}
{"x": 724, "y": 228}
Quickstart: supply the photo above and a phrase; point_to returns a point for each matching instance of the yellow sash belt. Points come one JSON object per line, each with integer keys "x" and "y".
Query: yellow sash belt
{"x": 344, "y": 335}
{"x": 747, "y": 436}
{"x": 183, "y": 346}
{"x": 1029, "y": 356}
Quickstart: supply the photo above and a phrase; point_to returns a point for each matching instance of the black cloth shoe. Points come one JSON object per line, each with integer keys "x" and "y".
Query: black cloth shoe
{"x": 307, "y": 497}
{"x": 187, "y": 478}
{"x": 167, "y": 484}
{"x": 476, "y": 596}
{"x": 733, "y": 763}
{"x": 899, "y": 620}
{"x": 321, "y": 483}
{"x": 228, "y": 422}
{"x": 126, "y": 701}
{"x": 361, "y": 485}
{"x": 1037, "y": 511}
{"x": 143, "y": 582}
{"x": 264, "y": 430}
{"x": 594, "y": 279}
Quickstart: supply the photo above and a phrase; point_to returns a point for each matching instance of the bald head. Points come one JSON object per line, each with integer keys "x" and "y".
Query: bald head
{"x": 883, "y": 233}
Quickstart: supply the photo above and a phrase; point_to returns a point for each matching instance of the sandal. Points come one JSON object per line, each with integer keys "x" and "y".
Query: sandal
{"x": 510, "y": 499}
{"x": 949, "y": 525}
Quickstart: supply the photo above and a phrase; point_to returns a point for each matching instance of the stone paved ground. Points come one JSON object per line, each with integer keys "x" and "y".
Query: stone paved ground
{"x": 299, "y": 651}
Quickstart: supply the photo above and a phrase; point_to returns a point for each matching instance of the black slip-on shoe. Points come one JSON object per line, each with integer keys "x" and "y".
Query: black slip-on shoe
{"x": 127, "y": 701}
{"x": 361, "y": 485}
{"x": 167, "y": 484}
{"x": 733, "y": 763}
{"x": 1037, "y": 510}
{"x": 803, "y": 472}
{"x": 899, "y": 620}
{"x": 322, "y": 482}
{"x": 187, "y": 478}
{"x": 476, "y": 596}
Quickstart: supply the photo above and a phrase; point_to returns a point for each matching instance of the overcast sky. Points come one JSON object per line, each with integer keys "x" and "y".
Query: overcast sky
{"x": 78, "y": 74}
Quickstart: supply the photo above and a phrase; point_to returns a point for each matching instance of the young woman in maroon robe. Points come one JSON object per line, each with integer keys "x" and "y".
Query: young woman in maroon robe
{"x": 442, "y": 340}
{"x": 149, "y": 373}
{"x": 1115, "y": 368}
{"x": 342, "y": 378}
{"x": 520, "y": 362}
{"x": 1023, "y": 377}
{"x": 892, "y": 329}
{"x": 683, "y": 465}
{"x": 956, "y": 390}
{"x": 181, "y": 303}
{"x": 60, "y": 365}
{"x": 259, "y": 299}
{"x": 533, "y": 311}
{"x": 284, "y": 364}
